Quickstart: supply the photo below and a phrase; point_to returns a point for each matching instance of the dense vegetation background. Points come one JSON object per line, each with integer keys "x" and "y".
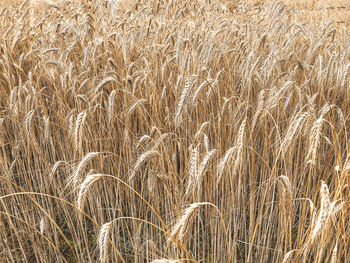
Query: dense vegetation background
{"x": 174, "y": 131}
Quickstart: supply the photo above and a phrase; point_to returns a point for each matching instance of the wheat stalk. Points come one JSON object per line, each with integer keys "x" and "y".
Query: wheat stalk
{"x": 206, "y": 142}
{"x": 55, "y": 168}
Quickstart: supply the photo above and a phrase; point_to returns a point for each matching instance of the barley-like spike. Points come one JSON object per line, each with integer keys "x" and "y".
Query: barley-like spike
{"x": 28, "y": 121}
{"x": 57, "y": 64}
{"x": 195, "y": 95}
{"x": 134, "y": 106}
{"x": 226, "y": 159}
{"x": 324, "y": 211}
{"x": 46, "y": 128}
{"x": 202, "y": 168}
{"x": 89, "y": 180}
{"x": 314, "y": 140}
{"x": 165, "y": 260}
{"x": 103, "y": 241}
{"x": 183, "y": 225}
{"x": 328, "y": 210}
{"x": 43, "y": 225}
{"x": 200, "y": 130}
{"x": 81, "y": 166}
{"x": 79, "y": 128}
{"x": 55, "y": 168}
{"x": 334, "y": 254}
{"x": 111, "y": 100}
{"x": 193, "y": 168}
{"x": 141, "y": 160}
{"x": 206, "y": 142}
{"x": 103, "y": 83}
{"x": 288, "y": 256}
{"x": 260, "y": 107}
{"x": 188, "y": 86}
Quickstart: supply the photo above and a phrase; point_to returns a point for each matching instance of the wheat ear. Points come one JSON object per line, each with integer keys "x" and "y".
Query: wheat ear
{"x": 226, "y": 159}
{"x": 327, "y": 210}
{"x": 287, "y": 257}
{"x": 103, "y": 241}
{"x": 89, "y": 180}
{"x": 81, "y": 166}
{"x": 185, "y": 93}
{"x": 334, "y": 254}
{"x": 182, "y": 228}
{"x": 165, "y": 260}
{"x": 202, "y": 168}
{"x": 134, "y": 106}
{"x": 111, "y": 100}
{"x": 141, "y": 160}
{"x": 192, "y": 169}
{"x": 79, "y": 128}
{"x": 103, "y": 83}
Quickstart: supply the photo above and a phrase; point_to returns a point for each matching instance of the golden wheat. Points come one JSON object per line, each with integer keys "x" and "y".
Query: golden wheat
{"x": 117, "y": 117}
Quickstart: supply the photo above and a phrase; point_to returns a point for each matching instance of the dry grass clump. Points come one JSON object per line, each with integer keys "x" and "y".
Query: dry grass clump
{"x": 174, "y": 131}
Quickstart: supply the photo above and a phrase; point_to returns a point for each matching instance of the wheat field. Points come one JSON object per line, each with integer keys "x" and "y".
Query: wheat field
{"x": 174, "y": 131}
